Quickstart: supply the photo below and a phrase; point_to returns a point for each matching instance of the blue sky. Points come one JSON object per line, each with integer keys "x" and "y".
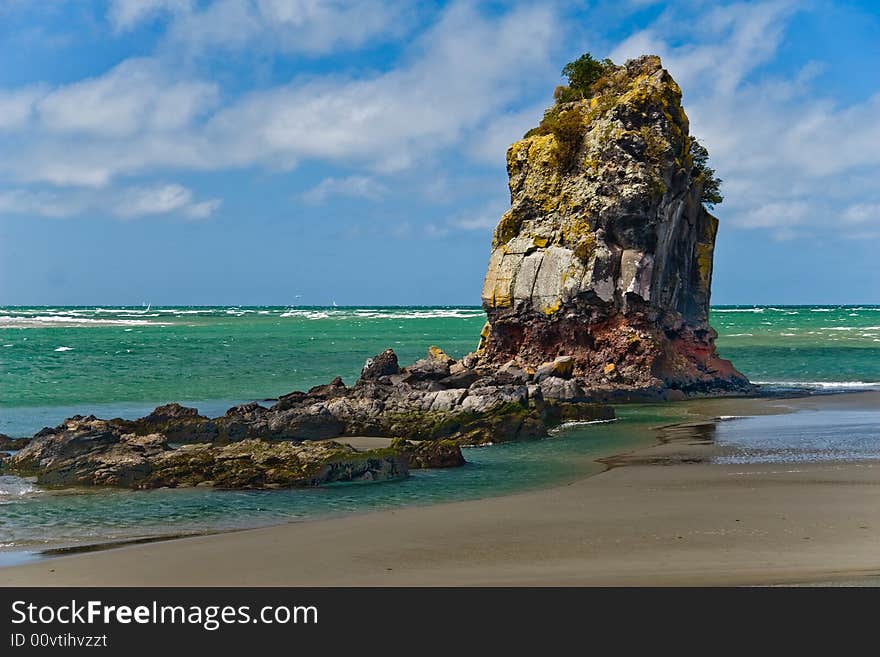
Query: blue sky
{"x": 319, "y": 151}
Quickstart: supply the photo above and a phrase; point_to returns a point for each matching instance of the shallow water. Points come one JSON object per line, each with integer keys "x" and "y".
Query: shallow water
{"x": 805, "y": 436}
{"x": 31, "y": 518}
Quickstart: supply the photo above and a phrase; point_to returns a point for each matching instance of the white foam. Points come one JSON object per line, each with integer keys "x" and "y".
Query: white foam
{"x": 7, "y": 321}
{"x": 12, "y": 487}
{"x": 64, "y": 349}
{"x": 578, "y": 423}
{"x": 737, "y": 310}
{"x": 824, "y": 385}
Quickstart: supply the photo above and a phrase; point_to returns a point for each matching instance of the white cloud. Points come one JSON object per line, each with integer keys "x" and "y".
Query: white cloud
{"x": 127, "y": 14}
{"x": 139, "y": 117}
{"x": 352, "y": 186}
{"x": 484, "y": 218}
{"x": 135, "y": 97}
{"x": 469, "y": 67}
{"x": 17, "y": 107}
{"x": 162, "y": 199}
{"x": 862, "y": 213}
{"x": 310, "y": 26}
{"x": 126, "y": 203}
{"x": 42, "y": 204}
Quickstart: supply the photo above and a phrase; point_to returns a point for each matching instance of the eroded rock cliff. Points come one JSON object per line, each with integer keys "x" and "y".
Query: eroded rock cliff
{"x": 605, "y": 254}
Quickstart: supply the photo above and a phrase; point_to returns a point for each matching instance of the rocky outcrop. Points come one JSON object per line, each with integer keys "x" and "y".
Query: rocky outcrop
{"x": 178, "y": 424}
{"x": 430, "y": 453}
{"x": 605, "y": 255}
{"x": 385, "y": 364}
{"x": 430, "y": 409}
{"x": 92, "y": 452}
{"x": 8, "y": 444}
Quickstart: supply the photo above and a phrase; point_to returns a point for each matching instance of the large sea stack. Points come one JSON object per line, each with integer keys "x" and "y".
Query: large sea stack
{"x": 605, "y": 254}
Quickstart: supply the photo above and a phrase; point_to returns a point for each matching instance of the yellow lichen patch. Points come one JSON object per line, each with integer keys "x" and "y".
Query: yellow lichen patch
{"x": 506, "y": 230}
{"x": 647, "y": 88}
{"x": 541, "y": 150}
{"x": 436, "y": 353}
{"x": 609, "y": 369}
{"x": 585, "y": 248}
{"x": 550, "y": 203}
{"x": 599, "y": 106}
{"x": 577, "y": 230}
{"x": 540, "y": 242}
{"x": 553, "y": 307}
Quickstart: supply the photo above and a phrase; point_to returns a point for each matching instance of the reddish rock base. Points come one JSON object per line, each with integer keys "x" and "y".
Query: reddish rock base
{"x": 620, "y": 358}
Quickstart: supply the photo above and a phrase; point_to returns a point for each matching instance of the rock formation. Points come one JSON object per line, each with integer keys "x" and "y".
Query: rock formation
{"x": 86, "y": 451}
{"x": 430, "y": 409}
{"x": 8, "y": 444}
{"x": 605, "y": 254}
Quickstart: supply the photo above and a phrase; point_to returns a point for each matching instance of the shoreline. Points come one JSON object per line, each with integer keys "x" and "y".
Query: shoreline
{"x": 661, "y": 515}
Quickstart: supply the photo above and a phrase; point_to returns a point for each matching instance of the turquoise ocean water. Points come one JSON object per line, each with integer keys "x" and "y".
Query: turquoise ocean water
{"x": 56, "y": 362}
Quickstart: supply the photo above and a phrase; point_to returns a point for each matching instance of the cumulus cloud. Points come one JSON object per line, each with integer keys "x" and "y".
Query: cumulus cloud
{"x": 135, "y": 97}
{"x": 862, "y": 213}
{"x": 468, "y": 67}
{"x": 17, "y": 107}
{"x": 126, "y": 203}
{"x": 310, "y": 26}
{"x": 139, "y": 117}
{"x": 365, "y": 187}
{"x": 163, "y": 199}
{"x": 127, "y": 14}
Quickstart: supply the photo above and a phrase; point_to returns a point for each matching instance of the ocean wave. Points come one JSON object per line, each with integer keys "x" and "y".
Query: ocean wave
{"x": 13, "y": 488}
{"x": 737, "y": 310}
{"x": 308, "y": 314}
{"x": 369, "y": 313}
{"x": 69, "y": 321}
{"x": 823, "y": 385}
{"x": 436, "y": 313}
{"x": 119, "y": 311}
{"x": 578, "y": 423}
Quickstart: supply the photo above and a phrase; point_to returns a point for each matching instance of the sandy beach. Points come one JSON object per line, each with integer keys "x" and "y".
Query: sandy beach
{"x": 660, "y": 516}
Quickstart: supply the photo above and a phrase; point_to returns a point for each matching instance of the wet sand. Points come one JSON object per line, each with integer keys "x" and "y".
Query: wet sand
{"x": 660, "y": 516}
